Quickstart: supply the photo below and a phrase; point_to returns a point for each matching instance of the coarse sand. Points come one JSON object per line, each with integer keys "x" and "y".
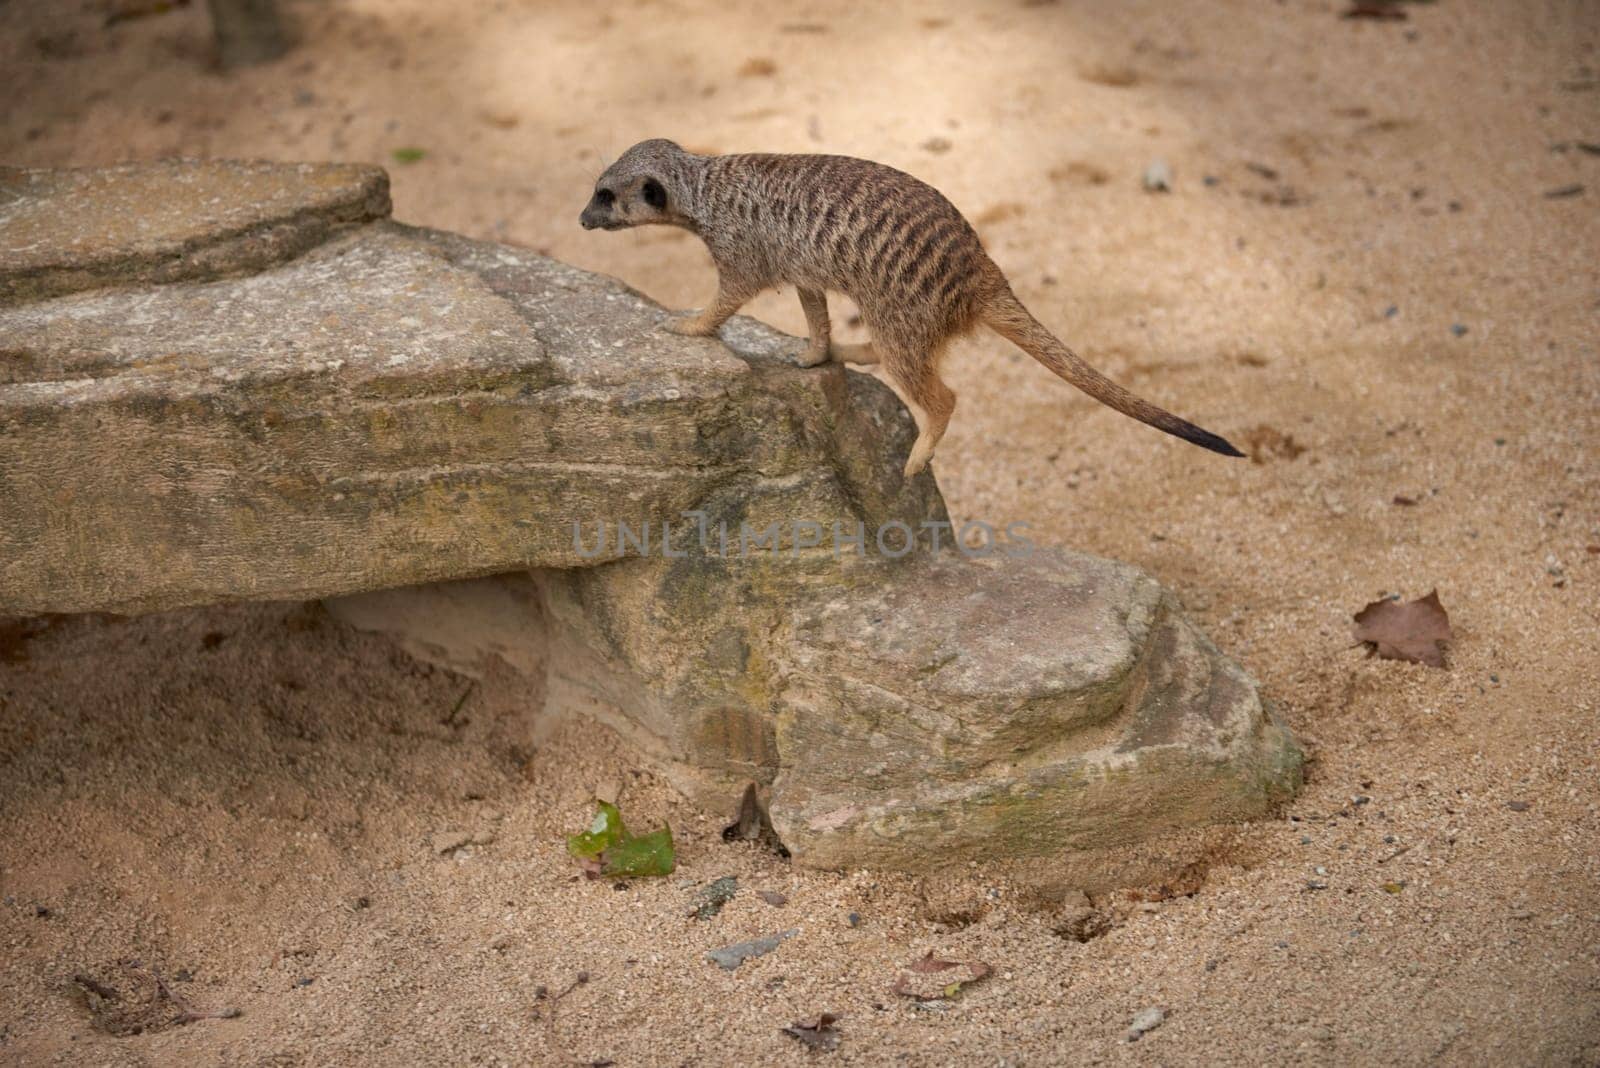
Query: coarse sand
{"x": 1360, "y": 274}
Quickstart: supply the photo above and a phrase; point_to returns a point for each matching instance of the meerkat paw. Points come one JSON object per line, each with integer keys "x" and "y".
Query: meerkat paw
{"x": 916, "y": 463}
{"x": 813, "y": 356}
{"x": 689, "y": 326}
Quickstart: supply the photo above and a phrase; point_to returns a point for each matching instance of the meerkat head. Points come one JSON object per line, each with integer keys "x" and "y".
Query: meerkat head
{"x": 639, "y": 189}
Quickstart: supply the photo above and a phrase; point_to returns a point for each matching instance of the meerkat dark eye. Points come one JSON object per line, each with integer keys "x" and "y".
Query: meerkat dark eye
{"x": 654, "y": 195}
{"x": 605, "y": 197}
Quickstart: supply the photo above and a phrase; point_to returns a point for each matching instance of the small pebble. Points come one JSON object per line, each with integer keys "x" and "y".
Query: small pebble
{"x": 1305, "y": 839}
{"x": 730, "y": 957}
{"x": 1459, "y": 329}
{"x": 1158, "y": 177}
{"x": 1391, "y": 311}
{"x": 854, "y": 919}
{"x": 717, "y": 894}
{"x": 1145, "y": 1021}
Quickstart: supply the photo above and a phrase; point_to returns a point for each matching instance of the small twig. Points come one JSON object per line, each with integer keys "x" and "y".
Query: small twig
{"x": 186, "y": 1013}
{"x": 1396, "y": 853}
{"x": 543, "y": 994}
{"x": 95, "y": 987}
{"x": 449, "y": 721}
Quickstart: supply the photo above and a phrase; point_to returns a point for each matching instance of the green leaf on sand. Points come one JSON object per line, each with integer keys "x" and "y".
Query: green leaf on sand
{"x": 649, "y": 854}
{"x": 607, "y": 848}
{"x": 408, "y": 155}
{"x": 605, "y": 831}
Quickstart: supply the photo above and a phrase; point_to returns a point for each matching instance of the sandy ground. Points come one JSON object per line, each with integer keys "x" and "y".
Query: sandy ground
{"x": 1373, "y": 290}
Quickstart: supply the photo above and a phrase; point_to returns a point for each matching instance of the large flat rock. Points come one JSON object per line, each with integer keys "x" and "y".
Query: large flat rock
{"x": 67, "y": 230}
{"x": 225, "y": 382}
{"x": 392, "y": 407}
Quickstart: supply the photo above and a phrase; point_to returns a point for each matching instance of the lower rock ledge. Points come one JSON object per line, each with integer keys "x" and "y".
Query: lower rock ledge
{"x": 1056, "y": 713}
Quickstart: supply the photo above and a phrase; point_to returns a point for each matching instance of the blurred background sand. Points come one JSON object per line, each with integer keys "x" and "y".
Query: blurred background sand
{"x": 1360, "y": 275}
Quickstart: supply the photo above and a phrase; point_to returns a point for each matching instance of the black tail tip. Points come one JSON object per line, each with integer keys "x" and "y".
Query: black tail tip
{"x": 1225, "y": 447}
{"x": 1207, "y": 440}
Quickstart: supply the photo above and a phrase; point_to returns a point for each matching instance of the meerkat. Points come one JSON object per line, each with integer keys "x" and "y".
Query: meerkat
{"x": 893, "y": 244}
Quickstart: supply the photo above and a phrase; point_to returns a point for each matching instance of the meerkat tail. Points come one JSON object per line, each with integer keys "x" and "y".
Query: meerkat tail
{"x": 1006, "y": 316}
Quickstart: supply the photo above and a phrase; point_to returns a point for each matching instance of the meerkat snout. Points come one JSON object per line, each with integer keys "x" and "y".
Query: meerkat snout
{"x": 597, "y": 215}
{"x": 617, "y": 205}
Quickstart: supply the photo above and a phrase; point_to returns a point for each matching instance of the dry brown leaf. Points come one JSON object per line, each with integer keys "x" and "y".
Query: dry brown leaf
{"x": 918, "y": 981}
{"x": 1411, "y": 631}
{"x": 817, "y": 1032}
{"x": 1382, "y": 10}
{"x": 1078, "y": 171}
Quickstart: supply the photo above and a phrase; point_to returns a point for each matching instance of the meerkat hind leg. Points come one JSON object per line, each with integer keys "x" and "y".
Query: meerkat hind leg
{"x": 814, "y": 302}
{"x": 930, "y": 402}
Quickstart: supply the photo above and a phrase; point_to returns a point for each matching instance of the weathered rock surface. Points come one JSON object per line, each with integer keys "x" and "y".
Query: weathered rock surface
{"x": 252, "y": 393}
{"x": 1012, "y": 708}
{"x": 392, "y": 407}
{"x": 67, "y": 230}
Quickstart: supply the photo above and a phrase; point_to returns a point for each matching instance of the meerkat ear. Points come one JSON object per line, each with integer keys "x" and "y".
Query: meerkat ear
{"x": 654, "y": 194}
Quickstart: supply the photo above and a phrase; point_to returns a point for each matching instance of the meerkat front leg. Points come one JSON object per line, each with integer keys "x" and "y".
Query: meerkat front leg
{"x": 729, "y": 299}
{"x": 814, "y": 302}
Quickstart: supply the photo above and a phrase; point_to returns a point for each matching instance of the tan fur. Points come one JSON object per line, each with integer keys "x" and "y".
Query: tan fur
{"x": 895, "y": 245}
